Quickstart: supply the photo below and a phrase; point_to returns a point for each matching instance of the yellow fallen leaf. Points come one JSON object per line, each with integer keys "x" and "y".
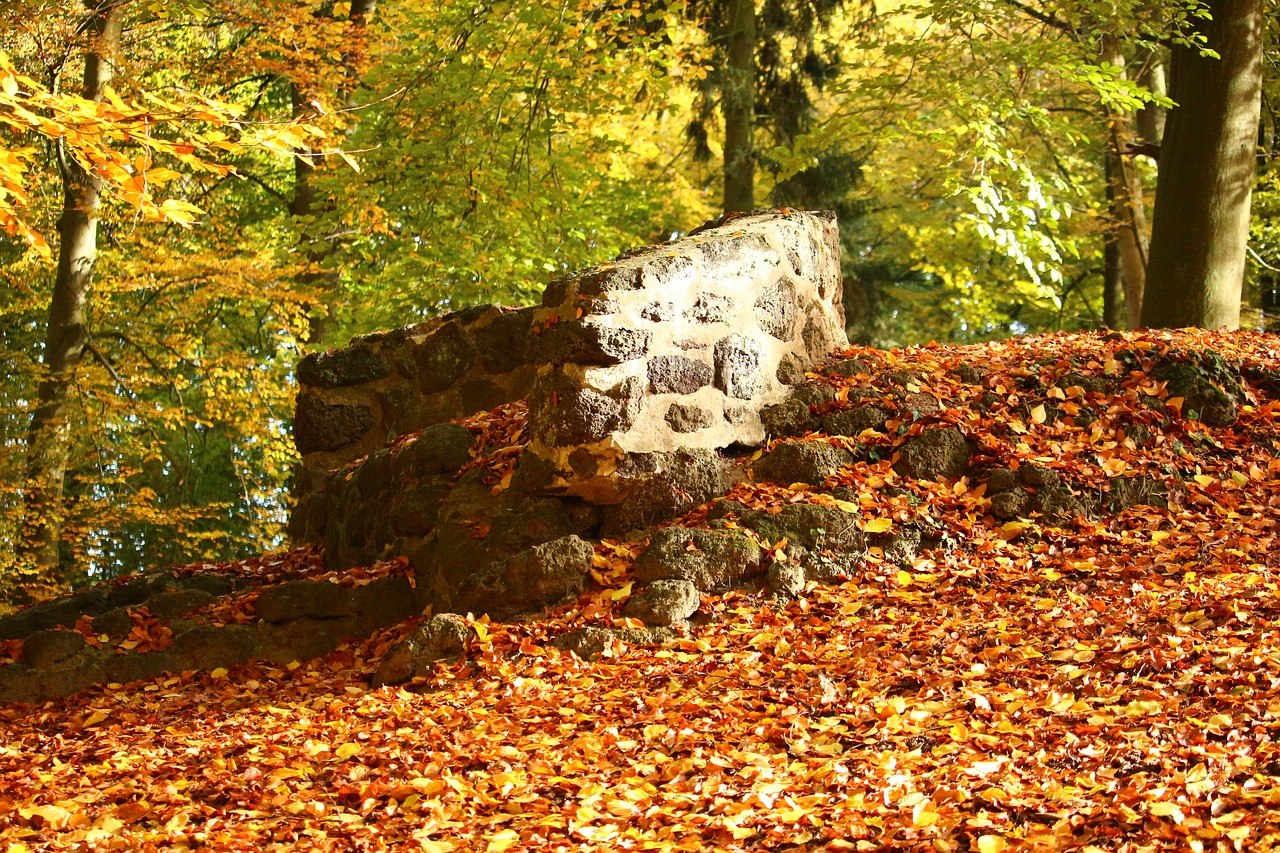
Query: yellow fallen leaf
{"x": 991, "y": 844}
{"x": 500, "y": 841}
{"x": 904, "y": 578}
{"x": 220, "y": 672}
{"x": 924, "y": 813}
{"x": 95, "y": 718}
{"x": 430, "y": 846}
{"x": 1037, "y": 416}
{"x": 623, "y": 592}
{"x": 347, "y": 750}
{"x": 878, "y": 525}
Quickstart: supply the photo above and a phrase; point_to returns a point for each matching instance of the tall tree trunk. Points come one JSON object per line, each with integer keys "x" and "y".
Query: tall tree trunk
{"x": 739, "y": 105}
{"x": 1207, "y": 168}
{"x": 1112, "y": 274}
{"x": 1128, "y": 231}
{"x": 302, "y": 205}
{"x": 65, "y": 336}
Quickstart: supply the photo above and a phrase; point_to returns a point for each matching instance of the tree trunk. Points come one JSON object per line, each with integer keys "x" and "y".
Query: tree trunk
{"x": 1128, "y": 231}
{"x": 65, "y": 337}
{"x": 1151, "y": 74}
{"x": 1112, "y": 275}
{"x": 1207, "y": 165}
{"x": 303, "y": 203}
{"x": 739, "y": 105}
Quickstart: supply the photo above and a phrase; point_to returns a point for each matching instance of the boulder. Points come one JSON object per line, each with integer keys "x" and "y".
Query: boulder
{"x": 709, "y": 559}
{"x": 801, "y": 462}
{"x": 304, "y": 599}
{"x": 664, "y": 603}
{"x": 935, "y": 454}
{"x": 441, "y": 637}
{"x": 540, "y": 577}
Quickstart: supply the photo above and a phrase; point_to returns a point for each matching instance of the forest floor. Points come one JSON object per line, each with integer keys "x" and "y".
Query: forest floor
{"x": 1108, "y": 681}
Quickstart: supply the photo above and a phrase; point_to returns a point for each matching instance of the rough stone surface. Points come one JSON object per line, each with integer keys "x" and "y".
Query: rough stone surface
{"x": 438, "y": 449}
{"x": 584, "y": 342}
{"x": 300, "y": 599}
{"x": 563, "y": 414}
{"x": 676, "y": 374}
{"x": 776, "y": 310}
{"x": 546, "y": 575}
{"x": 853, "y": 421}
{"x": 664, "y": 603}
{"x": 830, "y": 536}
{"x": 681, "y": 482}
{"x": 709, "y": 559}
{"x": 737, "y": 371}
{"x": 590, "y": 643}
{"x": 935, "y": 454}
{"x": 52, "y": 648}
{"x": 352, "y": 366}
{"x": 684, "y": 418}
{"x": 441, "y": 637}
{"x": 175, "y": 603}
{"x": 801, "y": 462}
{"x": 1211, "y": 402}
{"x": 320, "y": 426}
{"x": 786, "y": 580}
{"x": 789, "y": 418}
{"x": 444, "y": 362}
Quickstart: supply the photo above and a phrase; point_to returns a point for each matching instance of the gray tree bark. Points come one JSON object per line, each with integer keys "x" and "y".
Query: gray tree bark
{"x": 66, "y": 337}
{"x": 1207, "y": 169}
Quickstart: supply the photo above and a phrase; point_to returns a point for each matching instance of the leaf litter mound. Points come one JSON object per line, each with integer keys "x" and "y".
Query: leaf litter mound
{"x": 1102, "y": 678}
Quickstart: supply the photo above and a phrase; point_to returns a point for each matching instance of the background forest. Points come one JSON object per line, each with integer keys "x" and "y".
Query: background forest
{"x": 196, "y": 193}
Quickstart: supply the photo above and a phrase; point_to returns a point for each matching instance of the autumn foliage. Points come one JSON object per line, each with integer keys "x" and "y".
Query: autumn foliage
{"x": 1105, "y": 681}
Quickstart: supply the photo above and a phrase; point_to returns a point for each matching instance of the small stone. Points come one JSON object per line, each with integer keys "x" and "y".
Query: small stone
{"x": 737, "y": 361}
{"x": 801, "y": 462}
{"x": 684, "y": 419}
{"x": 676, "y": 374}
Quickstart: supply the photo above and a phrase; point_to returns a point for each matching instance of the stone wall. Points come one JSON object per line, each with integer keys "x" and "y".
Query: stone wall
{"x": 637, "y": 372}
{"x": 671, "y": 347}
{"x": 351, "y": 401}
{"x": 679, "y": 347}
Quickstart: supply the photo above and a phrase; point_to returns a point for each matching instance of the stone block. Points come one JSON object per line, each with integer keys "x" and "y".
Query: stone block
{"x": 354, "y": 365}
{"x": 737, "y": 367}
{"x": 677, "y": 374}
{"x": 320, "y": 426}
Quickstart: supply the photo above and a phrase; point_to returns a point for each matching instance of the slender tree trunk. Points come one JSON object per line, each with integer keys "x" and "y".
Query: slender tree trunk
{"x": 1150, "y": 119}
{"x": 65, "y": 336}
{"x": 1125, "y": 196}
{"x": 739, "y": 105}
{"x": 302, "y": 205}
{"x": 1112, "y": 274}
{"x": 1207, "y": 169}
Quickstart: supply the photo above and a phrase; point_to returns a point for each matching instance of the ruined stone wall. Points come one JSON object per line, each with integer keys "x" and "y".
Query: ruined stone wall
{"x": 636, "y": 371}
{"x": 671, "y": 347}
{"x": 351, "y": 401}
{"x": 679, "y": 347}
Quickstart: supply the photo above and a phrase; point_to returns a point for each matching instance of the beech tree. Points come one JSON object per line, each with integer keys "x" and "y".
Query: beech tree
{"x": 1207, "y": 169}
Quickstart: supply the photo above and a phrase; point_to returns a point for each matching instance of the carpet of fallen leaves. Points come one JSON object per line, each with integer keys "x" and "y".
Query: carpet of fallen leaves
{"x": 1105, "y": 684}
